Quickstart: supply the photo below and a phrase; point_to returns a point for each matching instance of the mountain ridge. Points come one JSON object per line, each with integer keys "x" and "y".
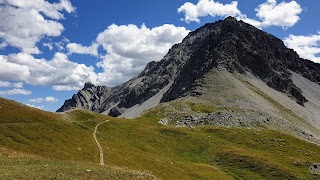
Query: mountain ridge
{"x": 228, "y": 44}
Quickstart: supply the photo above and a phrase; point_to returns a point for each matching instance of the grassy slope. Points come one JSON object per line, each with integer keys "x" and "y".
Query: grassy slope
{"x": 207, "y": 152}
{"x": 46, "y": 134}
{"x": 38, "y": 144}
{"x": 21, "y": 166}
{"x": 46, "y": 143}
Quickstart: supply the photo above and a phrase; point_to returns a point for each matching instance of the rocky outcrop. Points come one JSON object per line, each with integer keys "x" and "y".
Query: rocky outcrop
{"x": 229, "y": 44}
{"x": 240, "y": 48}
{"x": 91, "y": 97}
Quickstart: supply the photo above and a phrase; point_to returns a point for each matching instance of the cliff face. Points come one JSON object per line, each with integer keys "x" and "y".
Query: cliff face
{"x": 239, "y": 48}
{"x": 229, "y": 44}
{"x": 90, "y": 97}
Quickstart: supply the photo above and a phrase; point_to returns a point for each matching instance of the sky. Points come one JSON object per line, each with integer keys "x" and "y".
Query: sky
{"x": 49, "y": 49}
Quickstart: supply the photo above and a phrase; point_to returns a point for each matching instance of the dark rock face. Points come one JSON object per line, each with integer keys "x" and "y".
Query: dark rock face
{"x": 240, "y": 47}
{"x": 90, "y": 97}
{"x": 114, "y": 112}
{"x": 88, "y": 85}
{"x": 228, "y": 44}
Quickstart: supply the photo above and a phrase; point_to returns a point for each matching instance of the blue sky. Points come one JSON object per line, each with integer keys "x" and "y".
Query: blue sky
{"x": 49, "y": 49}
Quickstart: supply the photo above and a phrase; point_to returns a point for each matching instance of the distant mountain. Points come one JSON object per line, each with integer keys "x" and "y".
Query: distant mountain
{"x": 91, "y": 97}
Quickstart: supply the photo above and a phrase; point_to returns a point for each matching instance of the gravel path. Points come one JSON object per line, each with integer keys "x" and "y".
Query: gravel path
{"x": 98, "y": 144}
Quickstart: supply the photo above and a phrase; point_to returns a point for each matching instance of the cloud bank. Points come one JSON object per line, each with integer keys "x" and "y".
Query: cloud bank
{"x": 7, "y": 84}
{"x": 15, "y": 91}
{"x": 74, "y": 48}
{"x": 268, "y": 14}
{"x": 129, "y": 48}
{"x": 306, "y": 46}
{"x": 46, "y": 99}
{"x": 38, "y": 107}
{"x": 24, "y": 23}
{"x": 58, "y": 72}
{"x": 193, "y": 12}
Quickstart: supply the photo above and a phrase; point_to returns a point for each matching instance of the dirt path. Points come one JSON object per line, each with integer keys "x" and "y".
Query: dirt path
{"x": 98, "y": 144}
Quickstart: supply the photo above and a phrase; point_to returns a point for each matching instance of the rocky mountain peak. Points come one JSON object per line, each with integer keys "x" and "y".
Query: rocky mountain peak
{"x": 88, "y": 85}
{"x": 226, "y": 44}
{"x": 230, "y": 19}
{"x": 241, "y": 48}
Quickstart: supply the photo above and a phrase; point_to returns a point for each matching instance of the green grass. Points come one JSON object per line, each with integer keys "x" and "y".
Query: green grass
{"x": 237, "y": 153}
{"x": 203, "y": 108}
{"x": 63, "y": 141}
{"x": 22, "y": 166}
{"x": 61, "y": 146}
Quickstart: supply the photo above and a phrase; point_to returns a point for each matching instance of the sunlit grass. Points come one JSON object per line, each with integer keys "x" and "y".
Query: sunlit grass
{"x": 61, "y": 146}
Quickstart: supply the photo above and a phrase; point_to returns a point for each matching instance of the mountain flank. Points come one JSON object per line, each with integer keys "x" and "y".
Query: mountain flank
{"x": 229, "y": 44}
{"x": 226, "y": 64}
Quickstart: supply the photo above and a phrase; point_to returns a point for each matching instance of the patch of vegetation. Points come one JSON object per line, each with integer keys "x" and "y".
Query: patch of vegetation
{"x": 202, "y": 108}
{"x": 24, "y": 167}
{"x": 235, "y": 153}
{"x": 251, "y": 167}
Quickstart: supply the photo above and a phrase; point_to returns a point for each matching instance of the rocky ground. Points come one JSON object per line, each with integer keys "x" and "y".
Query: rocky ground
{"x": 243, "y": 101}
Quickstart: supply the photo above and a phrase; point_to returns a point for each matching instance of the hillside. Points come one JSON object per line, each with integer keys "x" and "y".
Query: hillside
{"x": 236, "y": 100}
{"x": 227, "y": 64}
{"x": 37, "y": 144}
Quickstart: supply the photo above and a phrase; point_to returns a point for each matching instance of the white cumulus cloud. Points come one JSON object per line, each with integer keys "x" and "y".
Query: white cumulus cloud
{"x": 270, "y": 13}
{"x": 11, "y": 71}
{"x": 51, "y": 99}
{"x": 15, "y": 91}
{"x": 46, "y": 99}
{"x": 59, "y": 71}
{"x": 192, "y": 12}
{"x": 307, "y": 47}
{"x": 66, "y": 87}
{"x": 24, "y": 23}
{"x": 36, "y": 100}
{"x": 129, "y": 48}
{"x": 79, "y": 49}
{"x": 38, "y": 107}
{"x": 283, "y": 14}
{"x": 9, "y": 84}
{"x": 48, "y": 45}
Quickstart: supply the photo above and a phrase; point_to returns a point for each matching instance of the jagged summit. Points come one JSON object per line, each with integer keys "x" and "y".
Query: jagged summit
{"x": 240, "y": 47}
{"x": 90, "y": 97}
{"x": 227, "y": 44}
{"x": 88, "y": 85}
